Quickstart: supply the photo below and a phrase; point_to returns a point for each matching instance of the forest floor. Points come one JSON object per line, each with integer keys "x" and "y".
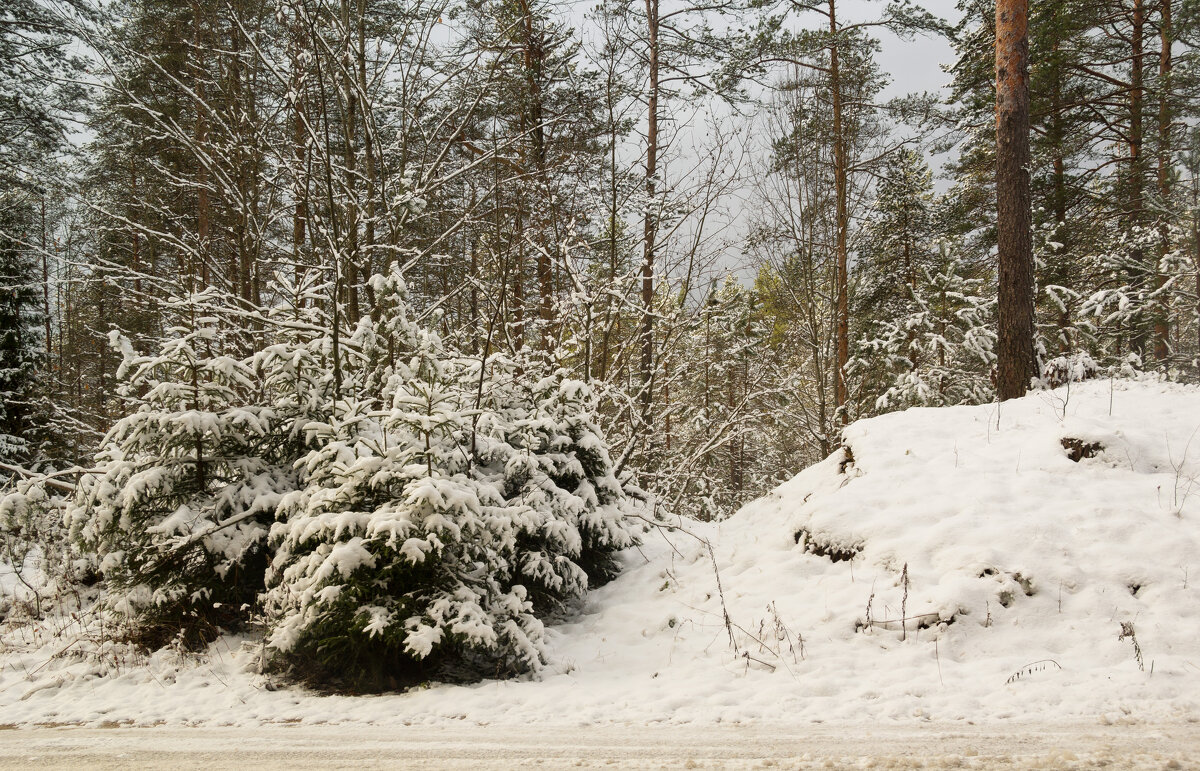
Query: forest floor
{"x": 931, "y": 746}
{"x": 1017, "y": 583}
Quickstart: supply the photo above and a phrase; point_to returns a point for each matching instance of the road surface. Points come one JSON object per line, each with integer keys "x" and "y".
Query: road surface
{"x": 993, "y": 746}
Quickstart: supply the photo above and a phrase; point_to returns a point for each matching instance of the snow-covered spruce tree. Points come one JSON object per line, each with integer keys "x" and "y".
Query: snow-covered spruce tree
{"x": 436, "y": 527}
{"x": 186, "y": 485}
{"x": 558, "y": 479}
{"x": 33, "y": 542}
{"x": 294, "y": 369}
{"x": 939, "y": 351}
{"x": 1136, "y": 302}
{"x": 1063, "y": 342}
{"x": 899, "y": 239}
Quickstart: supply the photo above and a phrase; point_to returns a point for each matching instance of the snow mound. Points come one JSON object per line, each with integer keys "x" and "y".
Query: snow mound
{"x": 1051, "y": 513}
{"x": 1037, "y": 560}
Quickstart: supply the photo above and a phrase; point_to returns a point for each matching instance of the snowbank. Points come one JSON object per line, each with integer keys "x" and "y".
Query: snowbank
{"x": 953, "y": 564}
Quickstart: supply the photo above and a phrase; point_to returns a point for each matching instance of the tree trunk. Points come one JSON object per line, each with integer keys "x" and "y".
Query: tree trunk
{"x": 199, "y": 272}
{"x": 46, "y": 284}
{"x": 611, "y": 325}
{"x": 368, "y": 246}
{"x": 1137, "y": 208}
{"x": 518, "y": 291}
{"x": 135, "y": 245}
{"x": 299, "y": 155}
{"x": 1016, "y": 359}
{"x": 842, "y": 322}
{"x": 649, "y": 224}
{"x": 351, "y": 156}
{"x": 1061, "y": 269}
{"x": 241, "y": 259}
{"x": 1162, "y": 316}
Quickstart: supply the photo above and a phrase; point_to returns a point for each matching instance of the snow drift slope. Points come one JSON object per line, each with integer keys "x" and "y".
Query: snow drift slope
{"x": 952, "y": 564}
{"x": 1046, "y": 585}
{"x": 1033, "y": 582}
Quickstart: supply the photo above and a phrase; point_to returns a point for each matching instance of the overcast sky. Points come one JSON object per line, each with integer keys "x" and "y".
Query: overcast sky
{"x": 915, "y": 65}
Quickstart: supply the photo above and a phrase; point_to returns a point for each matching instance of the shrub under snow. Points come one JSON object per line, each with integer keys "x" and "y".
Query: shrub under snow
{"x": 433, "y": 533}
{"x": 409, "y": 513}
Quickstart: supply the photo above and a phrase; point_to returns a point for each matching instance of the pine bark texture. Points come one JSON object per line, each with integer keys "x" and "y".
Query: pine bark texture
{"x": 1016, "y": 357}
{"x": 1138, "y": 334}
{"x": 839, "y": 177}
{"x": 649, "y": 223}
{"x": 1162, "y": 329}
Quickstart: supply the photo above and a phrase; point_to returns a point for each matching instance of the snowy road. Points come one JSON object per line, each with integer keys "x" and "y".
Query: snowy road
{"x": 996, "y": 746}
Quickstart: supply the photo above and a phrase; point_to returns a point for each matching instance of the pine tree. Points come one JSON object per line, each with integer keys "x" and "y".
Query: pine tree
{"x": 38, "y": 82}
{"x": 899, "y": 238}
{"x": 1103, "y": 107}
{"x": 842, "y": 55}
{"x": 1016, "y": 359}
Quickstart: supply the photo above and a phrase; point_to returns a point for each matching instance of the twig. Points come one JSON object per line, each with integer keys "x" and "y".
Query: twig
{"x": 1030, "y": 668}
{"x": 1127, "y": 631}
{"x": 716, "y": 571}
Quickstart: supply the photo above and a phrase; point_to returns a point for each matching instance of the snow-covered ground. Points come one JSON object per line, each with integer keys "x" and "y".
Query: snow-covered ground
{"x": 1033, "y": 588}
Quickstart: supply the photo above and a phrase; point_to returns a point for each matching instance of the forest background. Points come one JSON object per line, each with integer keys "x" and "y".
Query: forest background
{"x": 723, "y": 219}
{"x": 738, "y": 242}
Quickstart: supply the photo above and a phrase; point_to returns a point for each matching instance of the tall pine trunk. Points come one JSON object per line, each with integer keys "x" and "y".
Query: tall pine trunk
{"x": 1016, "y": 358}
{"x": 842, "y": 322}
{"x": 368, "y": 245}
{"x": 1136, "y": 204}
{"x": 348, "y": 77}
{"x": 300, "y": 181}
{"x": 1056, "y": 136}
{"x": 1162, "y": 328}
{"x": 649, "y": 223}
{"x": 199, "y": 271}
